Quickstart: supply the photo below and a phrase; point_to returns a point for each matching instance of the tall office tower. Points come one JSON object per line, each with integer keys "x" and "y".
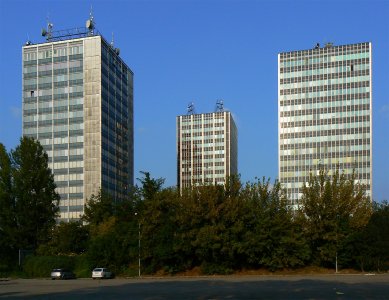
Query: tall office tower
{"x": 78, "y": 102}
{"x": 207, "y": 148}
{"x": 324, "y": 114}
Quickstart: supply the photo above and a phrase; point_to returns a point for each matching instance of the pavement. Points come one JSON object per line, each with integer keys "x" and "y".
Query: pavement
{"x": 366, "y": 286}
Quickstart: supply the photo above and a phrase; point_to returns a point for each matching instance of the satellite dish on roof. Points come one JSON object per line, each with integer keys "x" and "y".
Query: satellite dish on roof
{"x": 89, "y": 24}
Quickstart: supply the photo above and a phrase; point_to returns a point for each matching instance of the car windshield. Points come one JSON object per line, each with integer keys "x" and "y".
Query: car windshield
{"x": 57, "y": 270}
{"x": 97, "y": 270}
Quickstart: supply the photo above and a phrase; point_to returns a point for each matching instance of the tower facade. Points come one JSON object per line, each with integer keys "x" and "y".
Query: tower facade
{"x": 78, "y": 102}
{"x": 324, "y": 114}
{"x": 207, "y": 148}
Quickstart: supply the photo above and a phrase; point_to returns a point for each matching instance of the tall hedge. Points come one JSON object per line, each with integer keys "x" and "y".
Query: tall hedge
{"x": 41, "y": 266}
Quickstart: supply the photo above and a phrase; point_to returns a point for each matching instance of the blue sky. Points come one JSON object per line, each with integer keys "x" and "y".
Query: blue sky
{"x": 201, "y": 51}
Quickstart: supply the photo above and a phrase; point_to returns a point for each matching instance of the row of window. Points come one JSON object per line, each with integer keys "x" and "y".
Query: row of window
{"x": 325, "y": 82}
{"x": 319, "y": 88}
{"x": 362, "y": 156}
{"x": 59, "y": 134}
{"x": 70, "y": 190}
{"x": 66, "y": 165}
{"x": 55, "y": 78}
{"x": 294, "y": 179}
{"x": 46, "y": 109}
{"x": 52, "y": 128}
{"x": 198, "y": 174}
{"x": 341, "y": 66}
{"x": 75, "y": 208}
{"x": 67, "y": 171}
{"x": 331, "y": 57}
{"x": 324, "y": 130}
{"x": 76, "y": 141}
{"x": 72, "y": 197}
{"x": 327, "y": 49}
{"x": 64, "y": 93}
{"x": 206, "y": 125}
{"x": 324, "y": 76}
{"x": 313, "y": 150}
{"x": 209, "y": 118}
{"x": 47, "y": 119}
{"x": 65, "y": 152}
{"x": 69, "y": 177}
{"x": 352, "y": 93}
{"x": 188, "y": 138}
{"x": 210, "y": 134}
{"x": 53, "y": 66}
{"x": 313, "y": 111}
{"x": 36, "y": 53}
{"x": 216, "y": 129}
{"x": 296, "y": 125}
{"x": 209, "y": 161}
{"x": 298, "y": 99}
{"x": 330, "y": 141}
{"x": 329, "y": 71}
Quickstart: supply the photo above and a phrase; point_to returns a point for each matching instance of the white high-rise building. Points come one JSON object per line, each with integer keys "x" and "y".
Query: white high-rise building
{"x": 324, "y": 114}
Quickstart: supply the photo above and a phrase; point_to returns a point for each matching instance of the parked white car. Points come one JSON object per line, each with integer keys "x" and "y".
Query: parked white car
{"x": 62, "y": 274}
{"x": 102, "y": 273}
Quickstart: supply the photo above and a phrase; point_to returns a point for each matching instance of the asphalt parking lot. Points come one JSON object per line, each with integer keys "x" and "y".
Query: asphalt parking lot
{"x": 205, "y": 288}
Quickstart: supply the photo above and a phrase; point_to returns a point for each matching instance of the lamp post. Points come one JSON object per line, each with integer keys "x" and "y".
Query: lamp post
{"x": 138, "y": 245}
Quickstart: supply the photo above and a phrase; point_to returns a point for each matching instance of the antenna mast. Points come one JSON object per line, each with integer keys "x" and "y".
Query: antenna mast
{"x": 48, "y": 33}
{"x": 80, "y": 32}
{"x": 191, "y": 109}
{"x": 219, "y": 106}
{"x": 90, "y": 24}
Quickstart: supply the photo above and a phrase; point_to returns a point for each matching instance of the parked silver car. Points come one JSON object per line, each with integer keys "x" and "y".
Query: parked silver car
{"x": 102, "y": 273}
{"x": 62, "y": 274}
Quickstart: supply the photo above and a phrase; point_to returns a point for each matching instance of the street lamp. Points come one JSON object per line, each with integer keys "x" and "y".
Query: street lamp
{"x": 138, "y": 245}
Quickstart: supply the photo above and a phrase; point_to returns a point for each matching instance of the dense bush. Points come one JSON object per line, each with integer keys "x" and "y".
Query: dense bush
{"x": 41, "y": 266}
{"x": 82, "y": 267}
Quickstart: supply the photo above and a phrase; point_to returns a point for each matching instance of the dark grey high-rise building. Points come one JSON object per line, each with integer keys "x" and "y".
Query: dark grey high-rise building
{"x": 78, "y": 102}
{"x": 324, "y": 114}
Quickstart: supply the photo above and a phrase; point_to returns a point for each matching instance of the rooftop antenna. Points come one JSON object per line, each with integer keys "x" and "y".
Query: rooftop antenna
{"x": 219, "y": 106}
{"x": 190, "y": 109}
{"x": 28, "y": 42}
{"x": 48, "y": 33}
{"x": 90, "y": 24}
{"x": 112, "y": 40}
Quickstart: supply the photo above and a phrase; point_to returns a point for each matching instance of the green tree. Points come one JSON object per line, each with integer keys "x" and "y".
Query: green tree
{"x": 8, "y": 241}
{"x": 157, "y": 224}
{"x": 66, "y": 239}
{"x": 33, "y": 189}
{"x": 98, "y": 208}
{"x": 272, "y": 238}
{"x": 149, "y": 185}
{"x": 369, "y": 247}
{"x": 333, "y": 207}
{"x": 113, "y": 230}
{"x": 28, "y": 201}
